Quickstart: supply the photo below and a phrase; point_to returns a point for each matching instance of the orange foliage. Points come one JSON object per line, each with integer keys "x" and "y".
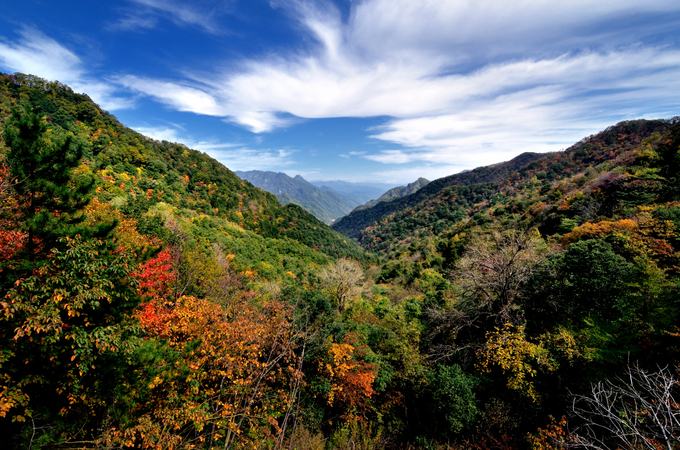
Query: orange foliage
{"x": 597, "y": 230}
{"x": 552, "y": 437}
{"x": 231, "y": 383}
{"x": 10, "y": 243}
{"x": 351, "y": 378}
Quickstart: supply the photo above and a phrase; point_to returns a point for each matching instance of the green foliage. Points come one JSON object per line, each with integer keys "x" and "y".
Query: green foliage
{"x": 64, "y": 330}
{"x": 42, "y": 160}
{"x": 591, "y": 280}
{"x": 453, "y": 400}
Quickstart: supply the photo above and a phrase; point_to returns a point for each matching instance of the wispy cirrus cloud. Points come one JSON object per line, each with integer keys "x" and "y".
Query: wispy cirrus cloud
{"x": 134, "y": 21}
{"x": 243, "y": 158}
{"x": 36, "y": 53}
{"x": 146, "y": 14}
{"x": 179, "y": 96}
{"x": 461, "y": 81}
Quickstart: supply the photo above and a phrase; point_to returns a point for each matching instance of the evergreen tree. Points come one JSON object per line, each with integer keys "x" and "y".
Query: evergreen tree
{"x": 41, "y": 163}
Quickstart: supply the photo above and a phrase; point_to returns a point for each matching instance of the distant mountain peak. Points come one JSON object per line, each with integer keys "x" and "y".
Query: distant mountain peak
{"x": 395, "y": 193}
{"x": 326, "y": 204}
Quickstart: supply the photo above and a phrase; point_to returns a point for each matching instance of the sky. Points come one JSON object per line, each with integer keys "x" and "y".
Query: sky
{"x": 357, "y": 90}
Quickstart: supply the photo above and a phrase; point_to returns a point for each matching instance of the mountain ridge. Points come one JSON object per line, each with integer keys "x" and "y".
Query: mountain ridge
{"x": 356, "y": 221}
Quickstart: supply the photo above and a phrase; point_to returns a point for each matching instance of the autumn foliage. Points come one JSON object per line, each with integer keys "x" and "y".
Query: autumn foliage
{"x": 351, "y": 377}
{"x": 227, "y": 377}
{"x": 11, "y": 239}
{"x": 150, "y": 299}
{"x": 597, "y": 230}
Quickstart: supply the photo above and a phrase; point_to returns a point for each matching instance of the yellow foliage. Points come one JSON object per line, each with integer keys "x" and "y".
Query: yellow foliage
{"x": 508, "y": 349}
{"x": 597, "y": 230}
{"x": 125, "y": 232}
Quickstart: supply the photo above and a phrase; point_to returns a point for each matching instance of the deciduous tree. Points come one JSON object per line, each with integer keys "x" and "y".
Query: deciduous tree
{"x": 341, "y": 278}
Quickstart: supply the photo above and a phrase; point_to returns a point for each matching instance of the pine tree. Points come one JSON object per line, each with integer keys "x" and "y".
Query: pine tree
{"x": 49, "y": 197}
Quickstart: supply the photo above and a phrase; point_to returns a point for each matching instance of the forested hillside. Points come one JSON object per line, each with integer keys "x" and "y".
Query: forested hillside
{"x": 490, "y": 190}
{"x": 355, "y": 222}
{"x": 325, "y": 204}
{"x": 150, "y": 299}
{"x": 135, "y": 173}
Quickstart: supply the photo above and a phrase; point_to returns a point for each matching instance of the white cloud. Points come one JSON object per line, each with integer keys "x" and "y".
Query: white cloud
{"x": 249, "y": 159}
{"x": 561, "y": 109}
{"x": 198, "y": 14}
{"x": 134, "y": 21}
{"x": 412, "y": 172}
{"x": 233, "y": 155}
{"x": 37, "y": 54}
{"x": 458, "y": 30}
{"x": 181, "y": 97}
{"x": 40, "y": 55}
{"x": 258, "y": 121}
{"x": 580, "y": 71}
{"x": 159, "y": 133}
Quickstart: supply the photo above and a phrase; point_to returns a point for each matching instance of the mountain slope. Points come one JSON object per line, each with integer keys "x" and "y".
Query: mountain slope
{"x": 325, "y": 204}
{"x": 439, "y": 206}
{"x": 355, "y": 222}
{"x": 394, "y": 193}
{"x": 136, "y": 174}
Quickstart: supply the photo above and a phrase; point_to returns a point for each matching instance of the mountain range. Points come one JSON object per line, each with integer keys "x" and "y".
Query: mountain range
{"x": 150, "y": 297}
{"x": 324, "y": 202}
{"x": 361, "y": 192}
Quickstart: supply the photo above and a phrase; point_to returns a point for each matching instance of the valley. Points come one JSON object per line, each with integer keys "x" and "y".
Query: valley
{"x": 152, "y": 298}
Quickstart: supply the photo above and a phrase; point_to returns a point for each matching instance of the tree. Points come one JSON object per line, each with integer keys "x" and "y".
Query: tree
{"x": 589, "y": 280}
{"x": 341, "y": 279}
{"x": 41, "y": 161}
{"x": 640, "y": 411}
{"x": 494, "y": 269}
{"x": 350, "y": 376}
{"x": 226, "y": 380}
{"x": 453, "y": 404}
{"x": 490, "y": 278}
{"x": 64, "y": 331}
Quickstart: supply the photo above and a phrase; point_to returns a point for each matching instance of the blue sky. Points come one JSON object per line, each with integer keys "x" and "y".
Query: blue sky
{"x": 357, "y": 90}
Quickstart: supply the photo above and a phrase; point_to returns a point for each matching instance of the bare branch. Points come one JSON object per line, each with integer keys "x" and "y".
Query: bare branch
{"x": 638, "y": 411}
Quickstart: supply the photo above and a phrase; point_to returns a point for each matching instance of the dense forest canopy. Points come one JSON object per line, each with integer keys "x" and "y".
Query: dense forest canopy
{"x": 151, "y": 299}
